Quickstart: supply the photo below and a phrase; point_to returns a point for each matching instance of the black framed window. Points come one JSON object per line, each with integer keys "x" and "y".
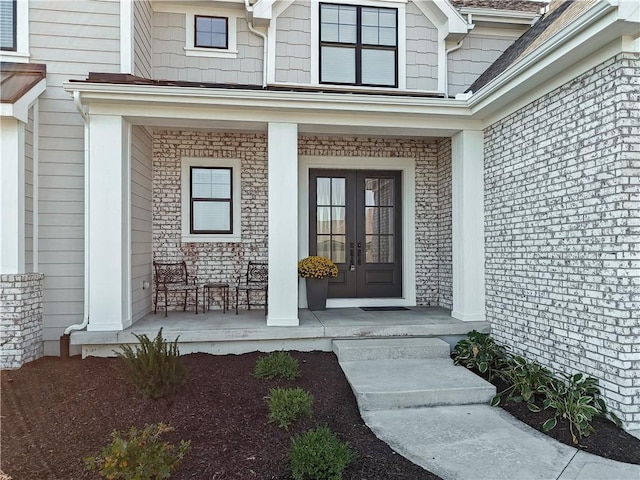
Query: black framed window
{"x": 211, "y": 32}
{"x": 358, "y": 45}
{"x": 8, "y": 25}
{"x": 211, "y": 200}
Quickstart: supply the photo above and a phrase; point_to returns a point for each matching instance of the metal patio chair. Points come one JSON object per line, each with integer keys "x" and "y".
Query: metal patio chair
{"x": 255, "y": 280}
{"x": 174, "y": 277}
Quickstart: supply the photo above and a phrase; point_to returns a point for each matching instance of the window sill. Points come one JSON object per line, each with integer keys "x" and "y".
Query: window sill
{"x": 211, "y": 238}
{"x": 210, "y": 52}
{"x": 18, "y": 57}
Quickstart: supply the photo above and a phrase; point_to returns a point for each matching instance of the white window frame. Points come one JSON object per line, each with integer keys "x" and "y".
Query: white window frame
{"x": 185, "y": 182}
{"x": 190, "y": 13}
{"x": 21, "y": 55}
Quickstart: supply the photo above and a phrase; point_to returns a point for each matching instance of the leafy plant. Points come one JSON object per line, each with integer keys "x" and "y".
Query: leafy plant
{"x": 479, "y": 352}
{"x": 286, "y": 405}
{"x": 277, "y": 364}
{"x": 139, "y": 456}
{"x": 317, "y": 267}
{"x": 576, "y": 399}
{"x": 319, "y": 455}
{"x": 155, "y": 367}
{"x": 526, "y": 380}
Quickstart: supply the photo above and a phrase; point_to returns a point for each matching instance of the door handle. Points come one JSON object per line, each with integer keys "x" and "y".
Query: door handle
{"x": 359, "y": 253}
{"x": 352, "y": 267}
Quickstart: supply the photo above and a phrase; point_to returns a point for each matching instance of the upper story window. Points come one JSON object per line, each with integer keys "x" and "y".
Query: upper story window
{"x": 211, "y": 32}
{"x": 8, "y": 24}
{"x": 358, "y": 45}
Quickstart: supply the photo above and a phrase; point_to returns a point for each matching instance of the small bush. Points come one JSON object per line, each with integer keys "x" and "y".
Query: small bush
{"x": 480, "y": 352}
{"x": 139, "y": 456}
{"x": 319, "y": 455}
{"x": 576, "y": 400}
{"x": 154, "y": 367}
{"x": 527, "y": 382}
{"x": 277, "y": 364}
{"x": 286, "y": 405}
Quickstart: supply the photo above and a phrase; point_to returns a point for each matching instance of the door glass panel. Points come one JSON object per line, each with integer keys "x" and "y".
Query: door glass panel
{"x": 337, "y": 191}
{"x": 386, "y": 220}
{"x": 372, "y": 252}
{"x": 385, "y": 192}
{"x": 386, "y": 249}
{"x": 337, "y": 220}
{"x": 371, "y": 220}
{"x": 338, "y": 248}
{"x": 323, "y": 191}
{"x": 370, "y": 191}
{"x": 323, "y": 219}
{"x": 324, "y": 246}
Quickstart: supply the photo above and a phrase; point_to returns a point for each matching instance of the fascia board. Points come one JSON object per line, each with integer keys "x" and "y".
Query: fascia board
{"x": 20, "y": 109}
{"x": 589, "y": 33}
{"x": 500, "y": 16}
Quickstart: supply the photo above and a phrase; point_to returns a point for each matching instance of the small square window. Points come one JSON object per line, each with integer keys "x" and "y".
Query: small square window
{"x": 211, "y": 32}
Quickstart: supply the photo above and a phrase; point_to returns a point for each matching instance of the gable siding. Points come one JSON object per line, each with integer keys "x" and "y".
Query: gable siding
{"x": 142, "y": 38}
{"x": 72, "y": 38}
{"x": 170, "y": 61}
{"x": 293, "y": 45}
{"x": 28, "y": 193}
{"x": 422, "y": 51}
{"x": 141, "y": 193}
{"x": 477, "y": 53}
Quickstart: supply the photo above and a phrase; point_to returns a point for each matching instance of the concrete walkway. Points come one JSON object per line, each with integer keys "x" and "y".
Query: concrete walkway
{"x": 425, "y": 422}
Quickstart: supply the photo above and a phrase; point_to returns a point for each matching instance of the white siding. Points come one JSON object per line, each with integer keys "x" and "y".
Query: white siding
{"x": 143, "y": 31}
{"x": 293, "y": 44}
{"x": 171, "y": 63}
{"x": 477, "y": 53}
{"x": 141, "y": 221}
{"x": 422, "y": 51}
{"x": 28, "y": 194}
{"x": 72, "y": 38}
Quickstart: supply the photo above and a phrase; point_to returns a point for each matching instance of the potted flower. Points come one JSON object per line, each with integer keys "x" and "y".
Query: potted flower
{"x": 316, "y": 272}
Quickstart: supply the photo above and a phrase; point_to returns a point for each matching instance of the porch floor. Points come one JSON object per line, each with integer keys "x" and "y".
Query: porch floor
{"x": 218, "y": 333}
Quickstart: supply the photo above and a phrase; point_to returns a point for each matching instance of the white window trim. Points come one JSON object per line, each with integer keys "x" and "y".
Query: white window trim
{"x": 21, "y": 55}
{"x": 400, "y": 5}
{"x": 190, "y": 12}
{"x": 187, "y": 163}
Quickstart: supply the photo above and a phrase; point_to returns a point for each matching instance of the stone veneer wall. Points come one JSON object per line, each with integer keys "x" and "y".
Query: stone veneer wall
{"x": 223, "y": 261}
{"x": 20, "y": 319}
{"x": 563, "y": 230}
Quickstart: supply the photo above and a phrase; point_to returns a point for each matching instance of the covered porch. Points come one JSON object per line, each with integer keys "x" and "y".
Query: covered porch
{"x": 217, "y": 333}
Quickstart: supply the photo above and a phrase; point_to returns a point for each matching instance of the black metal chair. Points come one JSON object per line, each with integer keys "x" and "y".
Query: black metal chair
{"x": 174, "y": 277}
{"x": 255, "y": 280}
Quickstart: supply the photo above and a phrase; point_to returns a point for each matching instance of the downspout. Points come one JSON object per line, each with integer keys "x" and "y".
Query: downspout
{"x": 446, "y": 69}
{"x": 65, "y": 339}
{"x": 252, "y": 29}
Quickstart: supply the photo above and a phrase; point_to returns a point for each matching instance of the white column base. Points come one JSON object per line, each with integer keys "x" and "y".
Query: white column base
{"x": 469, "y": 317}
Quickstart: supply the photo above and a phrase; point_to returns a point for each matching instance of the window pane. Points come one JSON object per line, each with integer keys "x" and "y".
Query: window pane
{"x": 370, "y": 35}
{"x": 338, "y": 65}
{"x": 371, "y": 220}
{"x": 323, "y": 191}
{"x": 329, "y": 33}
{"x": 211, "y": 216}
{"x": 386, "y": 249}
{"x": 221, "y": 183}
{"x": 347, "y": 15}
{"x": 387, "y": 18}
{"x": 347, "y": 34}
{"x": 372, "y": 253}
{"x": 370, "y": 17}
{"x": 211, "y": 183}
{"x": 7, "y": 21}
{"x": 211, "y": 32}
{"x": 323, "y": 220}
{"x": 337, "y": 191}
{"x": 386, "y": 220}
{"x": 370, "y": 191}
{"x": 329, "y": 13}
{"x": 378, "y": 67}
{"x": 387, "y": 37}
{"x": 337, "y": 248}
{"x": 323, "y": 246}
{"x": 337, "y": 223}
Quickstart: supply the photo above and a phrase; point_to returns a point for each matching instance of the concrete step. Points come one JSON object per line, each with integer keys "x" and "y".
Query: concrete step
{"x": 390, "y": 348}
{"x": 412, "y": 383}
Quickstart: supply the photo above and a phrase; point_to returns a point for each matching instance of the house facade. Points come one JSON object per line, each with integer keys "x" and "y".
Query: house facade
{"x": 484, "y": 160}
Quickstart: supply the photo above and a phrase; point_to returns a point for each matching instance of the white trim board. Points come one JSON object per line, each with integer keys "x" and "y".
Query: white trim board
{"x": 404, "y": 165}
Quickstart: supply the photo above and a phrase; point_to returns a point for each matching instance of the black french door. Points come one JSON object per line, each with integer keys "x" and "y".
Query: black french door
{"x": 355, "y": 219}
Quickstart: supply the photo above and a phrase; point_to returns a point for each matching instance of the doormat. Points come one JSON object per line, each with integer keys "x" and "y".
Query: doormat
{"x": 383, "y": 309}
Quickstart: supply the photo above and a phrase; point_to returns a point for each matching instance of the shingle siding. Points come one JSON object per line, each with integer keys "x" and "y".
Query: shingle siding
{"x": 422, "y": 51}
{"x": 293, "y": 40}
{"x": 562, "y": 230}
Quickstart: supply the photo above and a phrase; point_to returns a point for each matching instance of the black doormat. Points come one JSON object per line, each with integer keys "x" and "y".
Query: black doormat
{"x": 383, "y": 309}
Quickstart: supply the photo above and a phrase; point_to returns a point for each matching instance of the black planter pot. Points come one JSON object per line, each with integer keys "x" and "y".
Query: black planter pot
{"x": 317, "y": 293}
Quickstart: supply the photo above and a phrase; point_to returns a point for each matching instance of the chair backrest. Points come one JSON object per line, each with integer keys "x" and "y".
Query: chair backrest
{"x": 257, "y": 272}
{"x": 171, "y": 273}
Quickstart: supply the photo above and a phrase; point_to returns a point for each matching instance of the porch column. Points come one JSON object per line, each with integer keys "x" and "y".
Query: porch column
{"x": 107, "y": 228}
{"x": 283, "y": 224}
{"x": 12, "y": 191}
{"x": 467, "y": 168}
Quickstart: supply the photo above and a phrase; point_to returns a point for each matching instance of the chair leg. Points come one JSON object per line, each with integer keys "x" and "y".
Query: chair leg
{"x": 166, "y": 303}
{"x": 197, "y": 301}
{"x": 237, "y": 295}
{"x": 155, "y": 304}
{"x": 266, "y": 302}
{"x": 248, "y": 301}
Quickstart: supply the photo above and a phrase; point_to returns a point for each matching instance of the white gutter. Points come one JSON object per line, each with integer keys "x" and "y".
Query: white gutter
{"x": 77, "y": 101}
{"x": 253, "y": 30}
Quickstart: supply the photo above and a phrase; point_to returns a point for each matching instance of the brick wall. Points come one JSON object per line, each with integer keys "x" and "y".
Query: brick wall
{"x": 445, "y": 254}
{"x": 563, "y": 230}
{"x": 20, "y": 319}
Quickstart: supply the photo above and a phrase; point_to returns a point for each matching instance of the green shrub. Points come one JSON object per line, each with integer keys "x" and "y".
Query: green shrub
{"x": 154, "y": 367}
{"x": 319, "y": 455}
{"x": 277, "y": 364}
{"x": 480, "y": 352}
{"x": 139, "y": 456}
{"x": 527, "y": 381}
{"x": 286, "y": 405}
{"x": 576, "y": 400}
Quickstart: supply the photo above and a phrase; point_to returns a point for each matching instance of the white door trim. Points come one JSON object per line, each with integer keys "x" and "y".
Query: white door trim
{"x": 404, "y": 165}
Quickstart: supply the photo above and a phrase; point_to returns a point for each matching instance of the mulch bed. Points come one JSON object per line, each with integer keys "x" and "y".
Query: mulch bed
{"x": 57, "y": 411}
